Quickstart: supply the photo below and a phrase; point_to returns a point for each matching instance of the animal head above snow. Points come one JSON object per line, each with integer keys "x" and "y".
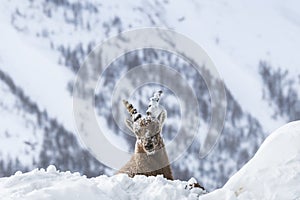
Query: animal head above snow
{"x": 147, "y": 128}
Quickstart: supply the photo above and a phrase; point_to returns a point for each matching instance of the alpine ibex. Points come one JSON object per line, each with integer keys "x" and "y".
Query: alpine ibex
{"x": 150, "y": 157}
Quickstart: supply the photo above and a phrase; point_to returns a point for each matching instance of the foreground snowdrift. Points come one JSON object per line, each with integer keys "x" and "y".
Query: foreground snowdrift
{"x": 273, "y": 173}
{"x": 51, "y": 184}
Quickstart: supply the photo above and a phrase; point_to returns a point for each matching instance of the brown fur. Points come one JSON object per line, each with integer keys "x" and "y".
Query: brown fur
{"x": 143, "y": 164}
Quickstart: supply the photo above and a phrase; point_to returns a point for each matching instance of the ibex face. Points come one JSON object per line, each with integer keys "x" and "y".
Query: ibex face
{"x": 147, "y": 129}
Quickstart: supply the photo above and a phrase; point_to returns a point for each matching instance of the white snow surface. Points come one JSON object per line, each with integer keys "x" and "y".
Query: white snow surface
{"x": 52, "y": 184}
{"x": 272, "y": 174}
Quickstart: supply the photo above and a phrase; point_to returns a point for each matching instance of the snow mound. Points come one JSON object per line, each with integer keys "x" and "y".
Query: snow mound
{"x": 52, "y": 184}
{"x": 272, "y": 174}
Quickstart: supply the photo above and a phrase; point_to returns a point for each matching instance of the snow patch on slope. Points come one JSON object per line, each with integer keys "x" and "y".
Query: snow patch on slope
{"x": 237, "y": 35}
{"x": 35, "y": 70}
{"x": 19, "y": 137}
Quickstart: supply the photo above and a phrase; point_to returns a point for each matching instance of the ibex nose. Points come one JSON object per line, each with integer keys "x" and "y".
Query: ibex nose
{"x": 149, "y": 146}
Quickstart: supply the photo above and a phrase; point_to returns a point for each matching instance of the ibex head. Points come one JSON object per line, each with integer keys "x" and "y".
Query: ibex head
{"x": 147, "y": 128}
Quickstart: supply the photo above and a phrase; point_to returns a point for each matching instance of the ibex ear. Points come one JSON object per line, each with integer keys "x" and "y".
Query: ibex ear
{"x": 162, "y": 116}
{"x": 129, "y": 124}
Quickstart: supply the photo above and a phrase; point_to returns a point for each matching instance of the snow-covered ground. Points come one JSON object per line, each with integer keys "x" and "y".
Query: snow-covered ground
{"x": 272, "y": 174}
{"x": 51, "y": 184}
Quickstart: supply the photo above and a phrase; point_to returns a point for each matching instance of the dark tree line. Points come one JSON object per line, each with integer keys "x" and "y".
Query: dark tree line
{"x": 280, "y": 91}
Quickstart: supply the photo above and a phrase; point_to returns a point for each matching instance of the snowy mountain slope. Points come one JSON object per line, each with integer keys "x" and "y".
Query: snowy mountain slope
{"x": 30, "y": 138}
{"x": 273, "y": 174}
{"x": 34, "y": 69}
{"x": 17, "y": 131}
{"x": 226, "y": 47}
{"x": 237, "y": 35}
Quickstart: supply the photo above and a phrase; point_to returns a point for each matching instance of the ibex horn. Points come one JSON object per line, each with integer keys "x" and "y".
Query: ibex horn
{"x": 154, "y": 101}
{"x": 132, "y": 111}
